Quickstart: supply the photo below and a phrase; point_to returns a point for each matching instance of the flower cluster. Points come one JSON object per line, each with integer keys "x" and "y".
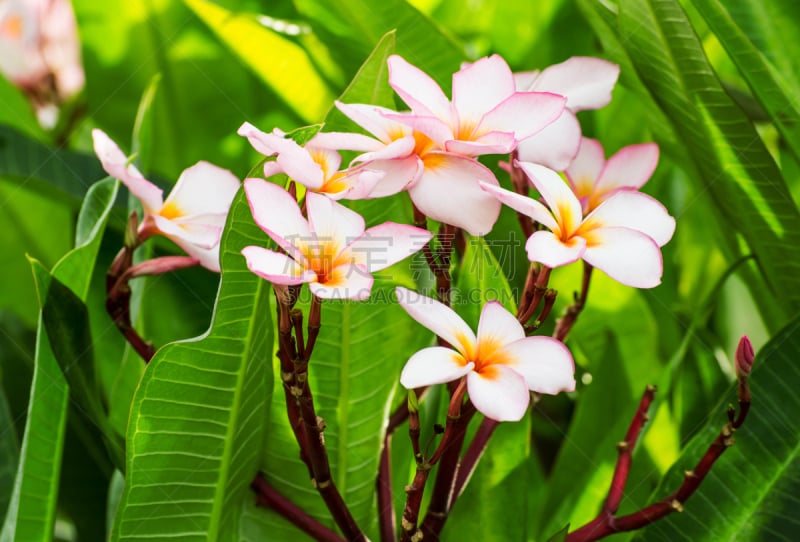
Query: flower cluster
{"x": 595, "y": 212}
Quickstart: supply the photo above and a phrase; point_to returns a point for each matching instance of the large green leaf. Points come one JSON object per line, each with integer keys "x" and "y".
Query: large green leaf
{"x": 751, "y": 492}
{"x": 17, "y": 111}
{"x": 733, "y": 163}
{"x": 198, "y": 419}
{"x": 31, "y": 514}
{"x": 764, "y": 80}
{"x": 281, "y": 64}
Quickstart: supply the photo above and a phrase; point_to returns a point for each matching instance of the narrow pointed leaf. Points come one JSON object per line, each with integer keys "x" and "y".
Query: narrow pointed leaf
{"x": 732, "y": 160}
{"x": 764, "y": 80}
{"x": 31, "y": 514}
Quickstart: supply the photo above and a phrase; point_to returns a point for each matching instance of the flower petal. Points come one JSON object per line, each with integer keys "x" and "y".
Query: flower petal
{"x": 523, "y": 114}
{"x": 448, "y": 191}
{"x": 625, "y": 255}
{"x": 207, "y": 257}
{"x": 499, "y": 393}
{"x": 585, "y": 169}
{"x": 562, "y": 202}
{"x": 260, "y": 141}
{"x": 488, "y": 143}
{"x": 439, "y": 318}
{"x": 201, "y": 189}
{"x": 524, "y": 81}
{"x": 396, "y": 150}
{"x": 372, "y": 118}
{"x": 333, "y": 222}
{"x": 299, "y": 164}
{"x": 545, "y": 364}
{"x": 522, "y": 204}
{"x": 386, "y": 244}
{"x": 201, "y": 233}
{"x": 555, "y": 145}
{"x": 586, "y": 82}
{"x": 637, "y": 211}
{"x": 480, "y": 87}
{"x": 433, "y": 365}
{"x": 422, "y": 94}
{"x": 434, "y": 128}
{"x": 545, "y": 247}
{"x": 116, "y": 164}
{"x": 275, "y": 267}
{"x": 345, "y": 141}
{"x": 344, "y": 282}
{"x": 398, "y": 174}
{"x": 630, "y": 167}
{"x": 497, "y": 327}
{"x": 276, "y": 212}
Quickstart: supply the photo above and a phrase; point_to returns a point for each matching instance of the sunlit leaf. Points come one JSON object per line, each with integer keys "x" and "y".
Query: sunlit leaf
{"x": 726, "y": 149}
{"x": 280, "y": 63}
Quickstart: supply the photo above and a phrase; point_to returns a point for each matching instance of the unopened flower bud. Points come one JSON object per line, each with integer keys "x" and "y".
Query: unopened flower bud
{"x": 744, "y": 357}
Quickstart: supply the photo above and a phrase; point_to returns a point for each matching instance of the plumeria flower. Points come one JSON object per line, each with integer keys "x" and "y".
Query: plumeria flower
{"x": 443, "y": 185}
{"x": 487, "y": 114}
{"x": 501, "y": 364}
{"x": 314, "y": 166}
{"x": 621, "y": 237}
{"x": 40, "y": 52}
{"x": 594, "y": 180}
{"x": 331, "y": 250}
{"x": 194, "y": 213}
{"x": 586, "y": 82}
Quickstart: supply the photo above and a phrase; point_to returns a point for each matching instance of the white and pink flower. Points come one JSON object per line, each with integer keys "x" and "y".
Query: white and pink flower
{"x": 594, "y": 179}
{"x": 586, "y": 83}
{"x": 502, "y": 366}
{"x": 487, "y": 114}
{"x": 331, "y": 250}
{"x": 621, "y": 237}
{"x": 442, "y": 185}
{"x": 315, "y": 166}
{"x": 194, "y": 213}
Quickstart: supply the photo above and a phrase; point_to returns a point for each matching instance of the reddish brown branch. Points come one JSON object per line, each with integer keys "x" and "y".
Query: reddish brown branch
{"x": 269, "y": 497}
{"x": 473, "y": 454}
{"x": 606, "y": 523}
{"x": 570, "y": 316}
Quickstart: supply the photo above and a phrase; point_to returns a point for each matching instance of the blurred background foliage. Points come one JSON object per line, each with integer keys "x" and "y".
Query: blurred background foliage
{"x": 714, "y": 83}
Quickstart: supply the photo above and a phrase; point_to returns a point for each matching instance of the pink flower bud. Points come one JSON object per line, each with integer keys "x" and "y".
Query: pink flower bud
{"x": 744, "y": 357}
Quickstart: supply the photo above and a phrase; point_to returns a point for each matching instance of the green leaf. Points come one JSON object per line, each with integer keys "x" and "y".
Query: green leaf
{"x": 16, "y": 110}
{"x": 370, "y": 85}
{"x": 9, "y": 453}
{"x": 726, "y": 150}
{"x": 286, "y": 68}
{"x": 31, "y": 514}
{"x": 750, "y": 493}
{"x": 560, "y": 536}
{"x": 53, "y": 172}
{"x": 197, "y": 422}
{"x": 763, "y": 78}
{"x": 419, "y": 39}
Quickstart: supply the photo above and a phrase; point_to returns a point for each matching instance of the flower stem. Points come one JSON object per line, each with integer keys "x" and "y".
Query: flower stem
{"x": 268, "y": 497}
{"x": 306, "y": 425}
{"x": 118, "y": 302}
{"x": 565, "y": 323}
